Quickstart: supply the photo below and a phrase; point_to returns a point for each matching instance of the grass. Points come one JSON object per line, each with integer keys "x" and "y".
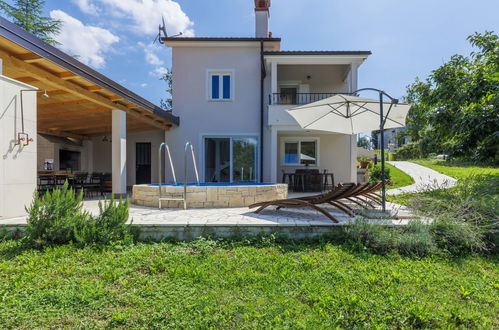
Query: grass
{"x": 398, "y": 178}
{"x": 457, "y": 170}
{"x": 206, "y": 284}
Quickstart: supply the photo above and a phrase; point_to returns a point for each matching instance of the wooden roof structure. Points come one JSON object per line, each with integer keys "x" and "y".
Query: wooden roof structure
{"x": 80, "y": 99}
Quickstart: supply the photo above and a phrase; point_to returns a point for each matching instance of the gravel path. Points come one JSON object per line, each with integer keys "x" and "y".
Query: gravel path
{"x": 425, "y": 178}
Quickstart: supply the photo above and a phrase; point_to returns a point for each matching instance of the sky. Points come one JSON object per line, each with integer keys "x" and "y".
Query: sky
{"x": 408, "y": 39}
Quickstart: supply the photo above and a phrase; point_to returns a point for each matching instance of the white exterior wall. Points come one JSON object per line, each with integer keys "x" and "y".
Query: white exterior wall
{"x": 102, "y": 159}
{"x": 334, "y": 155}
{"x": 17, "y": 163}
{"x": 198, "y": 115}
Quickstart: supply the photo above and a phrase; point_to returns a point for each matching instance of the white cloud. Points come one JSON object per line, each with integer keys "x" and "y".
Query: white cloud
{"x": 150, "y": 54}
{"x": 87, "y": 6}
{"x": 144, "y": 85}
{"x": 88, "y": 42}
{"x": 146, "y": 15}
{"x": 159, "y": 71}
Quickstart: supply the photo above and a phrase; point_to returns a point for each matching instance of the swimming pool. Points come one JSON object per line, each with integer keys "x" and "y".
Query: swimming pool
{"x": 210, "y": 194}
{"x": 215, "y": 184}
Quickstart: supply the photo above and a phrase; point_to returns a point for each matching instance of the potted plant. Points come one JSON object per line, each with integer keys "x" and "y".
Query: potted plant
{"x": 363, "y": 162}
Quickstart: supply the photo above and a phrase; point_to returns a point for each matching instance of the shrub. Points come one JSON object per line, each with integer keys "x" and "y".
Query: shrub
{"x": 410, "y": 150}
{"x": 109, "y": 226}
{"x": 375, "y": 173}
{"x": 457, "y": 238}
{"x": 416, "y": 239}
{"x": 53, "y": 216}
{"x": 58, "y": 218}
{"x": 375, "y": 237}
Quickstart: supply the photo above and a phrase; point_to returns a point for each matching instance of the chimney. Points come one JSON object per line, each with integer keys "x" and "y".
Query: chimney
{"x": 262, "y": 18}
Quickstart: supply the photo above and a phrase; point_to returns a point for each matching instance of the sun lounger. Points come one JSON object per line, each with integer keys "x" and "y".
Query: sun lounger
{"x": 332, "y": 197}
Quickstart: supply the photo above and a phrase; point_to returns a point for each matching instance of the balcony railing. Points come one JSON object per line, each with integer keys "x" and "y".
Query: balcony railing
{"x": 297, "y": 98}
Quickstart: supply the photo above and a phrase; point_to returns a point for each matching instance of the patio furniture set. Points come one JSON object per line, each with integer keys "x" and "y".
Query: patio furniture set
{"x": 307, "y": 180}
{"x": 361, "y": 194}
{"x": 95, "y": 183}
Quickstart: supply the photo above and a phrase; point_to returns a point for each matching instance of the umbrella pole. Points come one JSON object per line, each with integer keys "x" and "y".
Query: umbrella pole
{"x": 382, "y": 141}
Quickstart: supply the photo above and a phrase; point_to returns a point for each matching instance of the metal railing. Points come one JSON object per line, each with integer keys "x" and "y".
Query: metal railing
{"x": 297, "y": 98}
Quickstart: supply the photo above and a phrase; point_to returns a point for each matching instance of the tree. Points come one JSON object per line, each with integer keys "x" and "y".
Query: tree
{"x": 28, "y": 14}
{"x": 166, "y": 104}
{"x": 364, "y": 142}
{"x": 456, "y": 110}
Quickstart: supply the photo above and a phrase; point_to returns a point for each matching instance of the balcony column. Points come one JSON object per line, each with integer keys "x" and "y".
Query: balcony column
{"x": 273, "y": 74}
{"x": 119, "y": 152}
{"x": 273, "y": 154}
{"x": 352, "y": 79}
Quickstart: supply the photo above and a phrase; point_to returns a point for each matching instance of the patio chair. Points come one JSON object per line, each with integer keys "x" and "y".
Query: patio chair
{"x": 332, "y": 197}
{"x": 367, "y": 196}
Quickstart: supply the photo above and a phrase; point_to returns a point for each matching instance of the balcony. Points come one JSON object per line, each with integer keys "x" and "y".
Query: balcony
{"x": 297, "y": 98}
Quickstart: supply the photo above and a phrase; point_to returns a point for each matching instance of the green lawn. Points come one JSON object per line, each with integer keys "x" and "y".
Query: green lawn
{"x": 398, "y": 178}
{"x": 457, "y": 170}
{"x": 234, "y": 285}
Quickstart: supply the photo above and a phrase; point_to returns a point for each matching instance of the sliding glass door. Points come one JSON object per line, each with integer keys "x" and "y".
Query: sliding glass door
{"x": 231, "y": 159}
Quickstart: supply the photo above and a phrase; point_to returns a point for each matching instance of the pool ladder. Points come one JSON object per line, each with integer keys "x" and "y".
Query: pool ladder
{"x": 167, "y": 149}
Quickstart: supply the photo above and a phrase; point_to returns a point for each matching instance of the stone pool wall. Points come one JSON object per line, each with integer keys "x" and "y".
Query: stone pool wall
{"x": 208, "y": 196}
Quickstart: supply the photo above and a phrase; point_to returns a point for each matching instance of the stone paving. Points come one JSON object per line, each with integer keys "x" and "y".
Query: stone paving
{"x": 425, "y": 178}
{"x": 241, "y": 216}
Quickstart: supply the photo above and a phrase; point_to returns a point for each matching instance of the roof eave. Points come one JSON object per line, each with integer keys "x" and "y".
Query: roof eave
{"x": 28, "y": 41}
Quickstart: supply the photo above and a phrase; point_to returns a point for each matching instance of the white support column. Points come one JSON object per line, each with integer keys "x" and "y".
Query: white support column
{"x": 119, "y": 152}
{"x": 353, "y": 158}
{"x": 273, "y": 75}
{"x": 353, "y": 77}
{"x": 88, "y": 146}
{"x": 273, "y": 155}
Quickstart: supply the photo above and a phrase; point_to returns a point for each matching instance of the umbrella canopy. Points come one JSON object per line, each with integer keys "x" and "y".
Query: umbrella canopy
{"x": 349, "y": 114}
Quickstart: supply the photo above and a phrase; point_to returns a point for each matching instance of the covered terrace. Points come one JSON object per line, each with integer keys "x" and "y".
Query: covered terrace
{"x": 83, "y": 107}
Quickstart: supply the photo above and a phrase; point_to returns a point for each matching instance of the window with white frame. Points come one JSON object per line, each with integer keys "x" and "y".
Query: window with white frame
{"x": 220, "y": 86}
{"x": 301, "y": 152}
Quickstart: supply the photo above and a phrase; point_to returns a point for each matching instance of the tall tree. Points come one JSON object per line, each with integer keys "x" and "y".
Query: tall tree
{"x": 364, "y": 143}
{"x": 166, "y": 103}
{"x": 28, "y": 14}
{"x": 456, "y": 110}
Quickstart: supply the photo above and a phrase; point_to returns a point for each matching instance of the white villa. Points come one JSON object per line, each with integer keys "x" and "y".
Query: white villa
{"x": 231, "y": 93}
{"x": 229, "y": 97}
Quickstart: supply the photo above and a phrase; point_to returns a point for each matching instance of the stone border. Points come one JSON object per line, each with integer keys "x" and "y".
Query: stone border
{"x": 208, "y": 196}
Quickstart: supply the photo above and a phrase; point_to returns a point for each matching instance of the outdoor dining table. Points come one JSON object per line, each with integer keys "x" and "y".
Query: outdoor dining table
{"x": 304, "y": 179}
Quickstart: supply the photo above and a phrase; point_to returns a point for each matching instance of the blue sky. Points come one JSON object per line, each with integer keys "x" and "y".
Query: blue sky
{"x": 407, "y": 38}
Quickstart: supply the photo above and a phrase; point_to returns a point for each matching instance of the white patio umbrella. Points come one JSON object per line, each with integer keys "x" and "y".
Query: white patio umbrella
{"x": 348, "y": 114}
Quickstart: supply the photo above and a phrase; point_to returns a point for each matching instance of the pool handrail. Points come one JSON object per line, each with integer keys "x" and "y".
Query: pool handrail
{"x": 167, "y": 149}
{"x": 187, "y": 145}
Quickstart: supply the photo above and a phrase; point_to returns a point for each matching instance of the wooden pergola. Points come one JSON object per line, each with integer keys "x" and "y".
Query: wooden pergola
{"x": 80, "y": 99}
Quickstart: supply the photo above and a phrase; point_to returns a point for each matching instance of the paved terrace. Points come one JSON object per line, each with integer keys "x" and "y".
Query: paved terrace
{"x": 226, "y": 222}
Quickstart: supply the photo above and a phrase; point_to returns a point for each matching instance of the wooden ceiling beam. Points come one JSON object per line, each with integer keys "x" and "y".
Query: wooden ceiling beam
{"x": 69, "y": 113}
{"x": 60, "y": 120}
{"x": 93, "y": 88}
{"x": 54, "y": 105}
{"x": 30, "y": 58}
{"x": 55, "y": 81}
{"x": 56, "y": 92}
{"x": 63, "y": 134}
{"x": 26, "y": 80}
{"x": 76, "y": 126}
{"x": 66, "y": 75}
